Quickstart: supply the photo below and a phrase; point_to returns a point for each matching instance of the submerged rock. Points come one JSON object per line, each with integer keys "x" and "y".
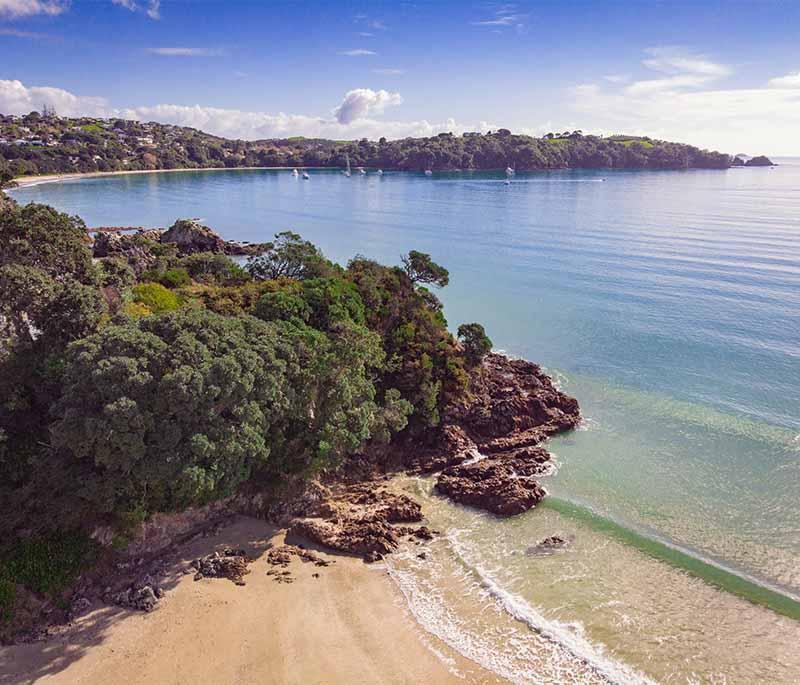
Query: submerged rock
{"x": 547, "y": 546}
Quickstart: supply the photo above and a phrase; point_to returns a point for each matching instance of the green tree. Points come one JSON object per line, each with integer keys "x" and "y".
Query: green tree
{"x": 288, "y": 256}
{"x": 39, "y": 236}
{"x": 422, "y": 269}
{"x": 475, "y": 341}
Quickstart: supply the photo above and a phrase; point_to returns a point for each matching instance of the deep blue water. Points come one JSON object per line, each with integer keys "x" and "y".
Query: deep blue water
{"x": 667, "y": 302}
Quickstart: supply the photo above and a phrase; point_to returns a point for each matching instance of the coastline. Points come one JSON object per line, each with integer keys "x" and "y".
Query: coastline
{"x": 26, "y": 181}
{"x": 349, "y": 624}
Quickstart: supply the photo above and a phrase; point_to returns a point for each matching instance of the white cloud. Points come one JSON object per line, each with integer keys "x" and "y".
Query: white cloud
{"x": 682, "y": 69}
{"x": 617, "y": 78}
{"x": 389, "y": 72}
{"x": 16, "y": 98}
{"x": 152, "y": 9}
{"x": 366, "y": 34}
{"x": 788, "y": 81}
{"x": 505, "y": 16}
{"x": 687, "y": 105}
{"x": 361, "y": 102}
{"x": 358, "y": 52}
{"x": 185, "y": 52}
{"x": 678, "y": 60}
{"x": 28, "y": 8}
{"x": 353, "y": 119}
{"x": 23, "y": 34}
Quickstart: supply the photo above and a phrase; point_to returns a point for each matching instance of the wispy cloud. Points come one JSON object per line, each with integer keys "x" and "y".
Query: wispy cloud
{"x": 152, "y": 8}
{"x": 617, "y": 78}
{"x": 506, "y": 16}
{"x": 185, "y": 52}
{"x": 376, "y": 24}
{"x": 677, "y": 69}
{"x": 365, "y": 34}
{"x": 389, "y": 72}
{"x": 687, "y": 102}
{"x": 15, "y": 9}
{"x": 357, "y": 52}
{"x": 23, "y": 34}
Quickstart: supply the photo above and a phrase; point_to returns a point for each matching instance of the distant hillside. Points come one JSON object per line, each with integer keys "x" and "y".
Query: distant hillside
{"x": 36, "y": 144}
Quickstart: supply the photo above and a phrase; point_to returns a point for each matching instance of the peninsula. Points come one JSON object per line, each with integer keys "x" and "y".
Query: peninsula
{"x": 34, "y": 144}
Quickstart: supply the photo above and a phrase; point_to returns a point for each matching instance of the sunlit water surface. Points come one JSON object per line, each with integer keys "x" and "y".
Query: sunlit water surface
{"x": 669, "y": 304}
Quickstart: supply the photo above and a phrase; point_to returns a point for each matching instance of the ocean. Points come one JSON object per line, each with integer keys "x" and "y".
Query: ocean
{"x": 668, "y": 303}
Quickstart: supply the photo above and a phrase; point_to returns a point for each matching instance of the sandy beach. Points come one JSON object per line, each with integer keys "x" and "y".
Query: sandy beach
{"x": 349, "y": 625}
{"x": 23, "y": 181}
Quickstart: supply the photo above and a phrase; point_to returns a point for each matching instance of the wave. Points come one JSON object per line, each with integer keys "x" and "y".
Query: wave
{"x": 561, "y": 653}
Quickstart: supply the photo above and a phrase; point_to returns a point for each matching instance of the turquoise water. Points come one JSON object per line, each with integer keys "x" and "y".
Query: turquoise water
{"x": 667, "y": 302}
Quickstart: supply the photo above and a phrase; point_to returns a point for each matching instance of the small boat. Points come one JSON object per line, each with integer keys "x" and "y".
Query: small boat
{"x": 428, "y": 172}
{"x": 347, "y": 171}
{"x": 507, "y": 182}
{"x": 380, "y": 172}
{"x": 306, "y": 176}
{"x": 362, "y": 171}
{"x": 295, "y": 173}
{"x": 509, "y": 171}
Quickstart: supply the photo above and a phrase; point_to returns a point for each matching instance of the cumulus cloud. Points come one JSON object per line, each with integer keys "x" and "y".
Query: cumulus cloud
{"x": 185, "y": 52}
{"x": 357, "y": 52}
{"x": 788, "y": 81}
{"x": 361, "y": 102}
{"x": 353, "y": 119}
{"x": 16, "y": 98}
{"x": 27, "y": 8}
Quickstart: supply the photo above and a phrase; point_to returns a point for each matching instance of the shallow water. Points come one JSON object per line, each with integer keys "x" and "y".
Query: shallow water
{"x": 667, "y": 302}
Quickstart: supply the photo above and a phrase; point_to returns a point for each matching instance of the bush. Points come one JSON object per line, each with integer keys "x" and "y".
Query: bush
{"x": 282, "y": 306}
{"x": 175, "y": 278}
{"x": 155, "y": 297}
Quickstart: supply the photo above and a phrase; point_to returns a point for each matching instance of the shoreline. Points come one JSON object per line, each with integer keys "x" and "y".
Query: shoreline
{"x": 28, "y": 181}
{"x": 344, "y": 623}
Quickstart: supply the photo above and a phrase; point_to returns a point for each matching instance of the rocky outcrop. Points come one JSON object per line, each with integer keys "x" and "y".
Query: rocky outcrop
{"x": 760, "y": 160}
{"x": 487, "y": 449}
{"x": 190, "y": 237}
{"x": 185, "y": 236}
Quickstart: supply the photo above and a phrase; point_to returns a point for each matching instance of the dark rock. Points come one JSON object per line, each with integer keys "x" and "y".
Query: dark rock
{"x": 492, "y": 485}
{"x": 143, "y": 598}
{"x": 228, "y": 563}
{"x": 760, "y": 160}
{"x": 547, "y": 546}
{"x": 368, "y": 538}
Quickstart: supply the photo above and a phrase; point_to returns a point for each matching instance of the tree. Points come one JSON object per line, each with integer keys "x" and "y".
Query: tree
{"x": 420, "y": 268}
{"x": 288, "y": 256}
{"x": 40, "y": 237}
{"x": 475, "y": 341}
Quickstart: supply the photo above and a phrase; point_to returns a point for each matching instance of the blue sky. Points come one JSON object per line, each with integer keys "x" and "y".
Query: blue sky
{"x": 717, "y": 74}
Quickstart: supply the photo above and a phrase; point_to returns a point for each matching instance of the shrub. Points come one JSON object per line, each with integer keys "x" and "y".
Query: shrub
{"x": 175, "y": 278}
{"x": 155, "y": 297}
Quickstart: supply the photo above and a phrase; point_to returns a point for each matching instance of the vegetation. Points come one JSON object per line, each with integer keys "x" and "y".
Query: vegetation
{"x": 36, "y": 144}
{"x": 121, "y": 396}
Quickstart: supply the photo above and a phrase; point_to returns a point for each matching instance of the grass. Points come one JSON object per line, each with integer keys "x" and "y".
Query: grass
{"x": 92, "y": 128}
{"x": 46, "y": 565}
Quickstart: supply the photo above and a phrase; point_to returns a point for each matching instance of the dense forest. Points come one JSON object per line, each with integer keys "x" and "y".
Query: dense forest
{"x": 36, "y": 144}
{"x": 157, "y": 378}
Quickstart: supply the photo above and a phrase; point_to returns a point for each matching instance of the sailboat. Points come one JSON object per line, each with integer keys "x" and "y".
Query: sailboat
{"x": 362, "y": 171}
{"x": 509, "y": 171}
{"x": 428, "y": 172}
{"x": 295, "y": 173}
{"x": 347, "y": 171}
{"x": 380, "y": 172}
